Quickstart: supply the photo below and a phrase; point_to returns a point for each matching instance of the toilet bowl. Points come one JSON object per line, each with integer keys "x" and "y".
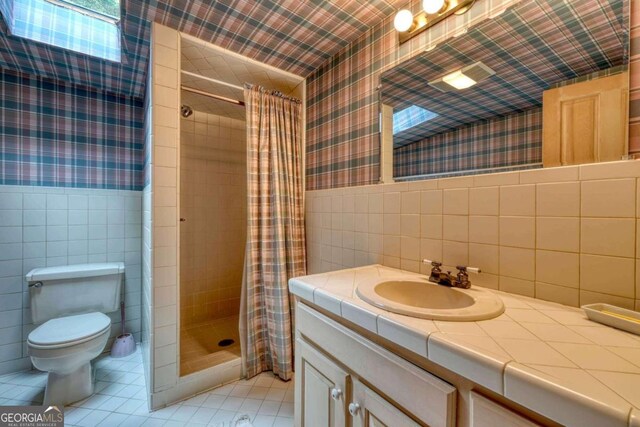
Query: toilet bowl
{"x": 68, "y": 303}
{"x": 65, "y": 347}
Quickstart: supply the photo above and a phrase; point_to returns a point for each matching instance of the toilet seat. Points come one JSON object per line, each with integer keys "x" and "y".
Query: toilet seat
{"x": 69, "y": 331}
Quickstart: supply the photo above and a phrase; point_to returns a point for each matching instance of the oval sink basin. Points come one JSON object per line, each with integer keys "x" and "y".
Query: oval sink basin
{"x": 421, "y": 298}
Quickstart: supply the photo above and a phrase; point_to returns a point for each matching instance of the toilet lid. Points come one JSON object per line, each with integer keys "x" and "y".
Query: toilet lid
{"x": 69, "y": 329}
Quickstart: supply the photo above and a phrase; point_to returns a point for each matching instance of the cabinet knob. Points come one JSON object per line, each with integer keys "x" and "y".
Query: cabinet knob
{"x": 336, "y": 393}
{"x": 354, "y": 409}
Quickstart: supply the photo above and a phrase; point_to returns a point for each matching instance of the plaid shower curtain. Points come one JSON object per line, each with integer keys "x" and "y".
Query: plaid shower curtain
{"x": 275, "y": 248}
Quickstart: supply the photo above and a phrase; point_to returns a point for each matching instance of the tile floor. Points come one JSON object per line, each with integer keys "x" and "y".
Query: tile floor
{"x": 120, "y": 399}
{"x": 199, "y": 347}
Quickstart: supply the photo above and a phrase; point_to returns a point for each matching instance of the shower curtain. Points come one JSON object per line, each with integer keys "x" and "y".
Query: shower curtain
{"x": 275, "y": 249}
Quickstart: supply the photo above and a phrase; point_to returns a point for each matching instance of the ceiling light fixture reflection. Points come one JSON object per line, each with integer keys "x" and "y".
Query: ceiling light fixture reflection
{"x": 459, "y": 80}
{"x": 463, "y": 78}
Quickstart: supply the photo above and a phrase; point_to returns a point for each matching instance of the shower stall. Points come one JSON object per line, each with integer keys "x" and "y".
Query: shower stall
{"x": 212, "y": 200}
{"x": 212, "y": 236}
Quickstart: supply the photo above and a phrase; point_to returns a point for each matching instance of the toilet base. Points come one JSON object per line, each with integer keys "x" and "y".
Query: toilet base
{"x": 63, "y": 389}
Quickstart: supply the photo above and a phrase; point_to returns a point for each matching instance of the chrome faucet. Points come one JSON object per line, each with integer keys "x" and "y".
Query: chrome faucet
{"x": 460, "y": 280}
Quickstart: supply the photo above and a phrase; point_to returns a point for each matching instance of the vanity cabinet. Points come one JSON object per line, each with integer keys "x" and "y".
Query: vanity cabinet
{"x": 369, "y": 409}
{"x": 344, "y": 380}
{"x": 325, "y": 389}
{"x": 329, "y": 396}
{"x": 486, "y": 413}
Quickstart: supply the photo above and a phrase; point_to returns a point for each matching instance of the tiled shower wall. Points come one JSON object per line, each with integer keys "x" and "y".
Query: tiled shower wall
{"x": 146, "y": 315}
{"x": 163, "y": 220}
{"x": 567, "y": 235}
{"x": 213, "y": 203}
{"x": 46, "y": 226}
{"x": 168, "y": 386}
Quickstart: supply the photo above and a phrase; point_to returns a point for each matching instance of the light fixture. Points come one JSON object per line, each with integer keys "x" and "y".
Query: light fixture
{"x": 459, "y": 80}
{"x": 403, "y": 20}
{"x": 433, "y": 6}
{"x": 463, "y": 78}
{"x": 434, "y": 11}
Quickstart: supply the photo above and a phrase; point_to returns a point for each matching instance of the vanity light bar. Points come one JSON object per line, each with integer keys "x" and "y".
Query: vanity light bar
{"x": 409, "y": 26}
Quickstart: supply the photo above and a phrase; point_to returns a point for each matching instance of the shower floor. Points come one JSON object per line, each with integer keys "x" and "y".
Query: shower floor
{"x": 199, "y": 347}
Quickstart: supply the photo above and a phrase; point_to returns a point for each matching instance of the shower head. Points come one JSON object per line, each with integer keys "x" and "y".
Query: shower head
{"x": 186, "y": 111}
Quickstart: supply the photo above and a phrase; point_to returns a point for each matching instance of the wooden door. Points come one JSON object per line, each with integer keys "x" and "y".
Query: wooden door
{"x": 586, "y": 122}
{"x": 322, "y": 389}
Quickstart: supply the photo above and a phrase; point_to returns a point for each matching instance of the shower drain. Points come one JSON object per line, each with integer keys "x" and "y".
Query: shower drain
{"x": 225, "y": 342}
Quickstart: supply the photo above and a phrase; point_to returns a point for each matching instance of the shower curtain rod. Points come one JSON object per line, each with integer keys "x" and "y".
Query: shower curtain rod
{"x": 212, "y": 80}
{"x": 213, "y": 95}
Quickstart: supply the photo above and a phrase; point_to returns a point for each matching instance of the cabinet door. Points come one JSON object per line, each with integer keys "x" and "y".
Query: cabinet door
{"x": 322, "y": 389}
{"x": 369, "y": 409}
{"x": 486, "y": 413}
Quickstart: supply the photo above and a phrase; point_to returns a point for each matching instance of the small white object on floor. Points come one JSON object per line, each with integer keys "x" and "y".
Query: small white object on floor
{"x": 244, "y": 421}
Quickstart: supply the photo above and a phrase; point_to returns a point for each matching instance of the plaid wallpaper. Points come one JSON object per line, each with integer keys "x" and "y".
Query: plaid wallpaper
{"x": 342, "y": 100}
{"x": 293, "y": 35}
{"x": 506, "y": 141}
{"x": 55, "y": 134}
{"x": 125, "y": 78}
{"x": 342, "y": 139}
{"x": 530, "y": 47}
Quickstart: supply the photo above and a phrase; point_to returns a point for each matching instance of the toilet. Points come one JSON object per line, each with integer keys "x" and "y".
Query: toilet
{"x": 68, "y": 303}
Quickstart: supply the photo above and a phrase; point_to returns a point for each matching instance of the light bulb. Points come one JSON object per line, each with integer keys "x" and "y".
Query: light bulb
{"x": 433, "y": 6}
{"x": 403, "y": 20}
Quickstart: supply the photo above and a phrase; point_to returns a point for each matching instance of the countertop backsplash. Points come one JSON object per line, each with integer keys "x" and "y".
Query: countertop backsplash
{"x": 567, "y": 235}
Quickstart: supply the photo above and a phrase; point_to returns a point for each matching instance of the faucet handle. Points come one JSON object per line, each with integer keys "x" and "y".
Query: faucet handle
{"x": 433, "y": 263}
{"x": 465, "y": 269}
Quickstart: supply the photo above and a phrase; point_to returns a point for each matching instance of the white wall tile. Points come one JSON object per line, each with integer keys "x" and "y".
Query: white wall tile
{"x": 612, "y": 198}
{"x": 608, "y": 236}
{"x": 518, "y": 200}
{"x": 42, "y": 237}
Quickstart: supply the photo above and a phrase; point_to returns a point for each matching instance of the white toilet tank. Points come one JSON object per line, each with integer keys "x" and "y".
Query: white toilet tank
{"x": 74, "y": 289}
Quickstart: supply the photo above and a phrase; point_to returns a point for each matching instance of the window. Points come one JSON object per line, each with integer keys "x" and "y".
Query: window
{"x": 410, "y": 117}
{"x": 86, "y": 26}
{"x": 108, "y": 8}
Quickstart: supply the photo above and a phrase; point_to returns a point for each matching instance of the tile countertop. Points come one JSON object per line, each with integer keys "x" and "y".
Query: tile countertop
{"x": 547, "y": 357}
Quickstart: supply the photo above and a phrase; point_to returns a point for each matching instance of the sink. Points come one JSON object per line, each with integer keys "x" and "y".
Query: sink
{"x": 418, "y": 297}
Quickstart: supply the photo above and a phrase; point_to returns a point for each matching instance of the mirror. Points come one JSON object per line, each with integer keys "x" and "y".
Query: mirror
{"x": 543, "y": 84}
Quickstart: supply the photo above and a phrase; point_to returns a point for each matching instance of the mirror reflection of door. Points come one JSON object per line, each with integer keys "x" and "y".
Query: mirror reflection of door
{"x": 586, "y": 122}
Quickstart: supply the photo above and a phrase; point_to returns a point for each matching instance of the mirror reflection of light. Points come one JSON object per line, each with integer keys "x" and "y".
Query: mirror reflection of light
{"x": 410, "y": 117}
{"x": 459, "y": 80}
